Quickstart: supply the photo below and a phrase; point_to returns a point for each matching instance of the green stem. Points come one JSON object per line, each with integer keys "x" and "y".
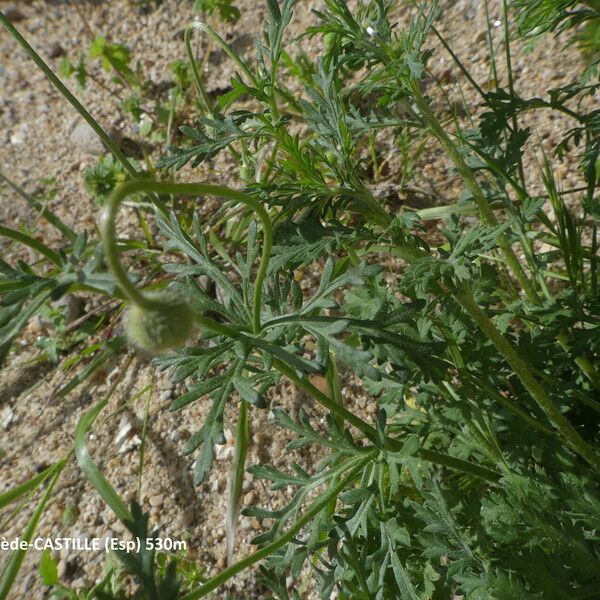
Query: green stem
{"x": 334, "y": 386}
{"x": 57, "y": 83}
{"x": 107, "y": 230}
{"x": 210, "y": 32}
{"x": 370, "y": 432}
{"x": 237, "y": 477}
{"x": 485, "y": 210}
{"x": 584, "y": 363}
{"x": 537, "y": 392}
{"x": 459, "y": 64}
{"x": 308, "y": 516}
{"x": 445, "y": 211}
{"x": 330, "y": 404}
{"x": 511, "y": 85}
{"x": 109, "y": 238}
{"x": 492, "y": 393}
{"x": 216, "y": 327}
{"x": 44, "y": 211}
{"x": 195, "y": 73}
{"x": 15, "y": 560}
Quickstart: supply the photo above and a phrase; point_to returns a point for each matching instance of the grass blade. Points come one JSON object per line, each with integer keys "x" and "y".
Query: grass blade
{"x": 20, "y": 490}
{"x": 14, "y": 562}
{"x": 91, "y": 471}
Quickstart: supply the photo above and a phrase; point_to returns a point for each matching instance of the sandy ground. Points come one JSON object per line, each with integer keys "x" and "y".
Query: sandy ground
{"x": 37, "y": 142}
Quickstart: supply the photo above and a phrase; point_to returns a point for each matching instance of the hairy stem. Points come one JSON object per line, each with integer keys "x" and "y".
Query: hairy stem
{"x": 109, "y": 238}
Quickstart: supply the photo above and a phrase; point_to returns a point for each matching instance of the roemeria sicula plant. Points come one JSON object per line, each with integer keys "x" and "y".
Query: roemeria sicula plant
{"x": 478, "y": 475}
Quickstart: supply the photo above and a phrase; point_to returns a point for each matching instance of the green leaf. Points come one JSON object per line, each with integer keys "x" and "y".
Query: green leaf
{"x": 244, "y": 388}
{"x": 48, "y": 568}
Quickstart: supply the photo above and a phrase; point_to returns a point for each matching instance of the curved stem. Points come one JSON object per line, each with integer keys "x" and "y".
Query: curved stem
{"x": 310, "y": 514}
{"x": 109, "y": 239}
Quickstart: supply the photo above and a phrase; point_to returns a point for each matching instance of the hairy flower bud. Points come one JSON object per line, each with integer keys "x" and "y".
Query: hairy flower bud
{"x": 167, "y": 326}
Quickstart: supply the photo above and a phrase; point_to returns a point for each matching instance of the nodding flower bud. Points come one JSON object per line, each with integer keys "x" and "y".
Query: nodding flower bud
{"x": 248, "y": 170}
{"x": 162, "y": 328}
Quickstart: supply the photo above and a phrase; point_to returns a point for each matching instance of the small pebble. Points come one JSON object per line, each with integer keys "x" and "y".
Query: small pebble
{"x": 61, "y": 569}
{"x": 372, "y": 408}
{"x": 85, "y": 138}
{"x": 165, "y": 396}
{"x": 55, "y": 50}
{"x": 156, "y": 500}
{"x": 188, "y": 516}
{"x": 12, "y": 13}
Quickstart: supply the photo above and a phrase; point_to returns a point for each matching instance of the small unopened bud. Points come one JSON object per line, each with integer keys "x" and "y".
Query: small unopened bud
{"x": 248, "y": 170}
{"x": 162, "y": 328}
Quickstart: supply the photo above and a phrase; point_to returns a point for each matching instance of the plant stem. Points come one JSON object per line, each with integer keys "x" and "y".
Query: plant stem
{"x": 108, "y": 234}
{"x": 109, "y": 239}
{"x": 44, "y": 211}
{"x": 208, "y": 30}
{"x": 485, "y": 210}
{"x": 370, "y": 432}
{"x": 237, "y": 477}
{"x": 511, "y": 85}
{"x": 187, "y": 36}
{"x": 537, "y": 392}
{"x": 476, "y": 382}
{"x": 310, "y": 514}
{"x": 216, "y": 327}
{"x": 583, "y": 362}
{"x": 329, "y": 403}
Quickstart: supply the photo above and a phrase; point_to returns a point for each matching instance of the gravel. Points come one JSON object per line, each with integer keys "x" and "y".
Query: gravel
{"x": 41, "y": 137}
